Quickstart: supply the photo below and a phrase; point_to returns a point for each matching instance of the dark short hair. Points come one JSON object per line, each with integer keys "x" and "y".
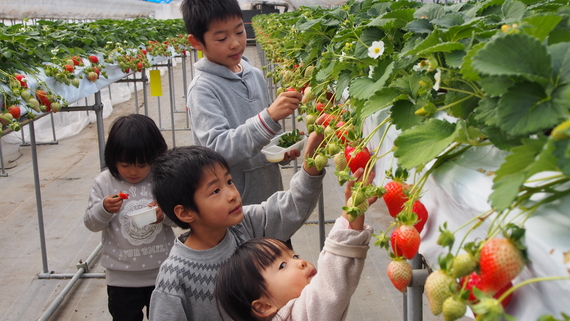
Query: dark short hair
{"x": 177, "y": 175}
{"x": 198, "y": 14}
{"x": 133, "y": 139}
{"x": 239, "y": 281}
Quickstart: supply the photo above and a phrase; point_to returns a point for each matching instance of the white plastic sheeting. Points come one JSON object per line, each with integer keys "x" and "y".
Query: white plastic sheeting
{"x": 77, "y": 9}
{"x": 458, "y": 191}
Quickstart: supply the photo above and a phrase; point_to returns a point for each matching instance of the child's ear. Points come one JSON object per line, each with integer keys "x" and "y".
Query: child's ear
{"x": 183, "y": 214}
{"x": 197, "y": 44}
{"x": 263, "y": 308}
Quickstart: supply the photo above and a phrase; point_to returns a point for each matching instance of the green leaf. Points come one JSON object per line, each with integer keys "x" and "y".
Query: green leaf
{"x": 495, "y": 86}
{"x": 430, "y": 41}
{"x": 420, "y": 26}
{"x": 409, "y": 84}
{"x": 454, "y": 58}
{"x": 442, "y": 47}
{"x": 526, "y": 109}
{"x": 514, "y": 171}
{"x": 560, "y": 54}
{"x": 540, "y": 26}
{"x": 513, "y": 11}
{"x": 380, "y": 100}
{"x": 514, "y": 55}
{"x": 430, "y": 11}
{"x": 467, "y": 69}
{"x": 362, "y": 87}
{"x": 402, "y": 113}
{"x": 449, "y": 20}
{"x": 419, "y": 145}
{"x": 561, "y": 152}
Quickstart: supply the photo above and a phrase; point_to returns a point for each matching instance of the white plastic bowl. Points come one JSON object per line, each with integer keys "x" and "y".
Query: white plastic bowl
{"x": 275, "y": 154}
{"x": 143, "y": 216}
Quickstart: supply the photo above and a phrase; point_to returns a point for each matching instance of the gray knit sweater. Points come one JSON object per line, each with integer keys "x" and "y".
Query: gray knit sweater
{"x": 185, "y": 284}
{"x": 228, "y": 113}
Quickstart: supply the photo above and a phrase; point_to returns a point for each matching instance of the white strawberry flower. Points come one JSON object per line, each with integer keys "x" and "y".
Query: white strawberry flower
{"x": 342, "y": 55}
{"x": 437, "y": 77}
{"x": 376, "y": 49}
{"x": 423, "y": 65}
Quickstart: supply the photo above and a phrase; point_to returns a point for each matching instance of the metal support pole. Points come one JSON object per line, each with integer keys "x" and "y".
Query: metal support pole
{"x": 136, "y": 95}
{"x": 172, "y": 99}
{"x": 321, "y": 210}
{"x": 184, "y": 88}
{"x": 3, "y": 172}
{"x": 82, "y": 268}
{"x": 98, "y": 108}
{"x": 145, "y": 91}
{"x": 38, "y": 198}
{"x": 413, "y": 298}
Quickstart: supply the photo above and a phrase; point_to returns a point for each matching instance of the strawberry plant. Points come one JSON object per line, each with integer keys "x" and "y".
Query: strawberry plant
{"x": 450, "y": 80}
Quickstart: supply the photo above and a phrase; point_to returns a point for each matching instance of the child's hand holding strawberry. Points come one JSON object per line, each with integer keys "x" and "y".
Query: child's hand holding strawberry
{"x": 284, "y": 105}
{"x": 349, "y": 194}
{"x": 113, "y": 203}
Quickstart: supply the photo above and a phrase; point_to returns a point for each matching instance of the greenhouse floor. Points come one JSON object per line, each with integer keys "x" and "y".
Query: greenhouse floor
{"x": 66, "y": 172}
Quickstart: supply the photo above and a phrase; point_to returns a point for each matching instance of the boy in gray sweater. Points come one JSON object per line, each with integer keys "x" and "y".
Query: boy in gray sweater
{"x": 194, "y": 188}
{"x": 228, "y": 100}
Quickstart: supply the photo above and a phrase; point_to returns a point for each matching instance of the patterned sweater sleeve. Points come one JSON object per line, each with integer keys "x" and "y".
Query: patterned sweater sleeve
{"x": 96, "y": 218}
{"x": 285, "y": 212}
{"x": 340, "y": 266}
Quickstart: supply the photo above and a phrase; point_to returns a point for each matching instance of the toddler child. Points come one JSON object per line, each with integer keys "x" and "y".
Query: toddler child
{"x": 266, "y": 280}
{"x": 131, "y": 254}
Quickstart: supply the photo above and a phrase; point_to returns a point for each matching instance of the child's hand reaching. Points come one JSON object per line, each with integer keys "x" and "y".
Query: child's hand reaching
{"x": 357, "y": 223}
{"x": 284, "y": 105}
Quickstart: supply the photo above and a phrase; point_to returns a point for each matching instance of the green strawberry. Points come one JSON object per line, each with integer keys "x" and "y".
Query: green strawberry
{"x": 321, "y": 161}
{"x": 463, "y": 264}
{"x": 438, "y": 289}
{"x": 340, "y": 161}
{"x": 355, "y": 211}
{"x": 453, "y": 308}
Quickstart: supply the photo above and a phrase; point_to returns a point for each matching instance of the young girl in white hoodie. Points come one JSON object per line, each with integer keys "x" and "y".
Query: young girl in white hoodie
{"x": 265, "y": 280}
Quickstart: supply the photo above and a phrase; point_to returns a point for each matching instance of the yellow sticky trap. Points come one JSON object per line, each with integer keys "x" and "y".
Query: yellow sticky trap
{"x": 155, "y": 83}
{"x": 200, "y": 55}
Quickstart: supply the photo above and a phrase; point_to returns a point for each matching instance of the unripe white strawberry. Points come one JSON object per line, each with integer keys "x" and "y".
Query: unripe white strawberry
{"x": 438, "y": 285}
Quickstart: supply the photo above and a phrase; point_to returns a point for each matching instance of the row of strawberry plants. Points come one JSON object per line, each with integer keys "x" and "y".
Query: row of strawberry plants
{"x": 451, "y": 78}
{"x": 36, "y": 57}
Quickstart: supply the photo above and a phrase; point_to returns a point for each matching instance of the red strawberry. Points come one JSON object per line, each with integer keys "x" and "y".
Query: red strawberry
{"x": 93, "y": 59}
{"x": 400, "y": 273}
{"x": 43, "y": 98}
{"x": 95, "y": 69}
{"x": 474, "y": 281}
{"x": 290, "y": 89}
{"x": 395, "y": 197}
{"x": 15, "y": 111}
{"x": 69, "y": 68}
{"x": 143, "y": 51}
{"x": 139, "y": 66}
{"x": 405, "y": 240}
{"x": 356, "y": 159}
{"x": 123, "y": 196}
{"x": 76, "y": 60}
{"x": 500, "y": 261}
{"x": 422, "y": 214}
{"x": 342, "y": 134}
{"x": 328, "y": 119}
{"x": 22, "y": 79}
{"x": 320, "y": 106}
